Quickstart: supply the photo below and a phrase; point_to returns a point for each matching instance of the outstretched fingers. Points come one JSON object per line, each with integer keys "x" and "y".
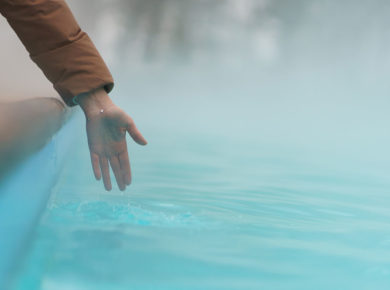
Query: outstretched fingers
{"x": 105, "y": 172}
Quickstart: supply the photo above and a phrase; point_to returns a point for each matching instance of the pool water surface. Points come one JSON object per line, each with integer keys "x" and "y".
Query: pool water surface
{"x": 268, "y": 159}
{"x": 217, "y": 210}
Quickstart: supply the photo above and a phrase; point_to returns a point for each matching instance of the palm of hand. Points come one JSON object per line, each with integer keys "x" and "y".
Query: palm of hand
{"x": 106, "y": 132}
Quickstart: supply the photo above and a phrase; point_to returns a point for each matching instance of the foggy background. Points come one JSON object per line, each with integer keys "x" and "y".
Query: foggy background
{"x": 311, "y": 74}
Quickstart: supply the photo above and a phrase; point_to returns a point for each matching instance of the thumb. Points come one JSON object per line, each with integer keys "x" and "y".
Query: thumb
{"x": 134, "y": 133}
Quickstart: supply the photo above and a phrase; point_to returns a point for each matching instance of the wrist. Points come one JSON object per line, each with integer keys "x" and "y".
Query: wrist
{"x": 94, "y": 102}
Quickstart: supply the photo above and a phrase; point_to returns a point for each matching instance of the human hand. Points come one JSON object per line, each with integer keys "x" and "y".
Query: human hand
{"x": 107, "y": 125}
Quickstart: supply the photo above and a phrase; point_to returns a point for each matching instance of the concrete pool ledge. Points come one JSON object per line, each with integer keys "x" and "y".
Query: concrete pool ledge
{"x": 35, "y": 137}
{"x": 25, "y": 126}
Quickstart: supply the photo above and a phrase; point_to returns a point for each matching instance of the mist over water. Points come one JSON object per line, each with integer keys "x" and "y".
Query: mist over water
{"x": 267, "y": 164}
{"x": 310, "y": 73}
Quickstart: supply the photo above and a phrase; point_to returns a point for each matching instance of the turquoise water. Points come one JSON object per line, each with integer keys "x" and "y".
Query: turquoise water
{"x": 268, "y": 158}
{"x": 242, "y": 207}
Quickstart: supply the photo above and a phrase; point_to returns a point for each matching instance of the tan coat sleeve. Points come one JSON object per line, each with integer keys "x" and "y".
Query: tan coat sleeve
{"x": 64, "y": 52}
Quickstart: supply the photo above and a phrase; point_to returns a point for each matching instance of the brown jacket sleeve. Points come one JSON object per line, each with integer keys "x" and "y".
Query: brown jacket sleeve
{"x": 65, "y": 53}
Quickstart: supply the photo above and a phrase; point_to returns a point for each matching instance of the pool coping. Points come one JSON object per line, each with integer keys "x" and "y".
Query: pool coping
{"x": 24, "y": 194}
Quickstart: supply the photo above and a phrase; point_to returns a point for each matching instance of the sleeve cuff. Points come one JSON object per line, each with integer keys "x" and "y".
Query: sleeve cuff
{"x": 107, "y": 88}
{"x": 75, "y": 68}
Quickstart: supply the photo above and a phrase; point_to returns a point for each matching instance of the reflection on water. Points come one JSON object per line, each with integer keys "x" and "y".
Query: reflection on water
{"x": 267, "y": 164}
